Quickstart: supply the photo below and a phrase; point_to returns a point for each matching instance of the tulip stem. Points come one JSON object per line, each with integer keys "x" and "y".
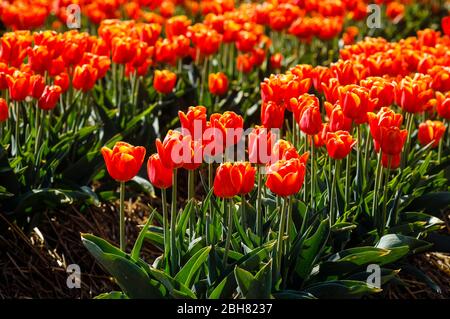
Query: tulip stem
{"x": 165, "y": 224}
{"x": 409, "y": 124}
{"x": 347, "y": 179}
{"x": 229, "y": 228}
{"x": 312, "y": 175}
{"x": 173, "y": 213}
{"x": 337, "y": 170}
{"x": 191, "y": 193}
{"x": 243, "y": 212}
{"x": 122, "y": 217}
{"x": 210, "y": 215}
{"x": 259, "y": 206}
{"x": 16, "y": 134}
{"x": 441, "y": 142}
{"x": 358, "y": 185}
{"x": 386, "y": 183}
{"x": 38, "y": 125}
{"x": 376, "y": 186}
{"x": 280, "y": 235}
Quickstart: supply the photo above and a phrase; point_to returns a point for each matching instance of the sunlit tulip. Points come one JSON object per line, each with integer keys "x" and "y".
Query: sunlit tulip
{"x": 218, "y": 83}
{"x": 84, "y": 77}
{"x": 431, "y": 131}
{"x": 4, "y": 113}
{"x": 339, "y": 144}
{"x": 260, "y": 143}
{"x": 194, "y": 120}
{"x": 233, "y": 179}
{"x": 123, "y": 161}
{"x": 49, "y": 97}
{"x": 159, "y": 175}
{"x": 164, "y": 81}
{"x": 285, "y": 177}
{"x": 169, "y": 150}
{"x": 272, "y": 114}
{"x": 392, "y": 140}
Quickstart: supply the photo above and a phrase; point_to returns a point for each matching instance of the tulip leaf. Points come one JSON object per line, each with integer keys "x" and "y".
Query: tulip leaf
{"x": 112, "y": 295}
{"x": 138, "y": 244}
{"x": 292, "y": 294}
{"x": 310, "y": 250}
{"x": 396, "y": 240}
{"x": 155, "y": 236}
{"x": 143, "y": 185}
{"x": 431, "y": 203}
{"x": 341, "y": 289}
{"x": 255, "y": 287}
{"x": 187, "y": 274}
{"x": 175, "y": 288}
{"x": 133, "y": 280}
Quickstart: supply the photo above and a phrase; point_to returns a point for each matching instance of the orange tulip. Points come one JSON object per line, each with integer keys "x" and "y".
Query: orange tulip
{"x": 169, "y": 149}
{"x": 443, "y": 105}
{"x": 84, "y": 77}
{"x": 276, "y": 60}
{"x": 18, "y": 85}
{"x": 384, "y": 118}
{"x": 159, "y": 175}
{"x": 285, "y": 177}
{"x": 164, "y": 81}
{"x": 392, "y": 140}
{"x": 413, "y": 95}
{"x": 123, "y": 161}
{"x": 234, "y": 178}
{"x": 194, "y": 121}
{"x": 339, "y": 144}
{"x": 218, "y": 83}
{"x": 356, "y": 102}
{"x": 37, "y": 86}
{"x": 431, "y": 131}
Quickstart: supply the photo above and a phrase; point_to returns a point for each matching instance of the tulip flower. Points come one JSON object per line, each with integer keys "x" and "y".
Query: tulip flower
{"x": 164, "y": 81}
{"x": 123, "y": 163}
{"x": 194, "y": 121}
{"x": 339, "y": 144}
{"x": 169, "y": 149}
{"x": 272, "y": 115}
{"x": 4, "y": 113}
{"x": 260, "y": 143}
{"x": 218, "y": 83}
{"x": 443, "y": 105}
{"x": 37, "y": 86}
{"x": 18, "y": 84}
{"x": 356, "y": 102}
{"x": 84, "y": 77}
{"x": 310, "y": 120}
{"x": 431, "y": 132}
{"x": 159, "y": 175}
{"x": 392, "y": 140}
{"x": 285, "y": 177}
{"x": 49, "y": 97}
{"x": 338, "y": 120}
{"x": 62, "y": 80}
{"x": 276, "y": 60}
{"x": 123, "y": 50}
{"x": 413, "y": 95}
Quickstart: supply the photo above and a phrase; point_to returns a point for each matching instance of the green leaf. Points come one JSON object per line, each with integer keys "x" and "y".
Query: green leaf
{"x": 292, "y": 294}
{"x": 431, "y": 203}
{"x": 310, "y": 250}
{"x": 112, "y": 295}
{"x": 143, "y": 185}
{"x": 138, "y": 244}
{"x": 244, "y": 280}
{"x": 187, "y": 274}
{"x": 341, "y": 289}
{"x": 175, "y": 288}
{"x": 133, "y": 280}
{"x": 255, "y": 287}
{"x": 415, "y": 245}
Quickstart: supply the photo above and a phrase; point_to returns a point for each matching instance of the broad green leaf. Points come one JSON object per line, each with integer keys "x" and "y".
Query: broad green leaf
{"x": 187, "y": 274}
{"x": 133, "y": 280}
{"x": 396, "y": 240}
{"x": 112, "y": 295}
{"x": 341, "y": 289}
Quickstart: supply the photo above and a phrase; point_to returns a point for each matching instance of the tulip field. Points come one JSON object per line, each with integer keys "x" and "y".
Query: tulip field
{"x": 182, "y": 149}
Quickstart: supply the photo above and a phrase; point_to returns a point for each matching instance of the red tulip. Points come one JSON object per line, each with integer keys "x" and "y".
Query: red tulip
{"x": 395, "y": 160}
{"x": 159, "y": 175}
{"x": 356, "y": 102}
{"x": 63, "y": 81}
{"x": 384, "y": 118}
{"x": 413, "y": 95}
{"x": 276, "y": 60}
{"x": 218, "y": 83}
{"x": 4, "y": 113}
{"x": 123, "y": 161}
{"x": 170, "y": 148}
{"x": 285, "y": 177}
{"x": 123, "y": 50}
{"x": 431, "y": 131}
{"x": 392, "y": 140}
{"x": 39, "y": 59}
{"x": 164, "y": 81}
{"x": 37, "y": 86}
{"x": 18, "y": 85}
{"x": 233, "y": 178}
{"x": 338, "y": 121}
{"x": 272, "y": 114}
{"x": 49, "y": 97}
{"x": 443, "y": 105}
{"x": 308, "y": 115}
{"x": 194, "y": 121}
{"x": 339, "y": 144}
{"x": 260, "y": 143}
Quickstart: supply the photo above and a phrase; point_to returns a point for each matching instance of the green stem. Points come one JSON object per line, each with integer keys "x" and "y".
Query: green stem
{"x": 243, "y": 212}
{"x": 122, "y": 217}
{"x": 173, "y": 214}
{"x": 347, "y": 179}
{"x": 229, "y": 228}
{"x": 210, "y": 216}
{"x": 280, "y": 235}
{"x": 333, "y": 192}
{"x": 38, "y": 128}
{"x": 289, "y": 221}
{"x": 441, "y": 142}
{"x": 16, "y": 134}
{"x": 165, "y": 225}
{"x": 312, "y": 175}
{"x": 358, "y": 163}
{"x": 386, "y": 183}
{"x": 376, "y": 186}
{"x": 259, "y": 206}
{"x": 191, "y": 194}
